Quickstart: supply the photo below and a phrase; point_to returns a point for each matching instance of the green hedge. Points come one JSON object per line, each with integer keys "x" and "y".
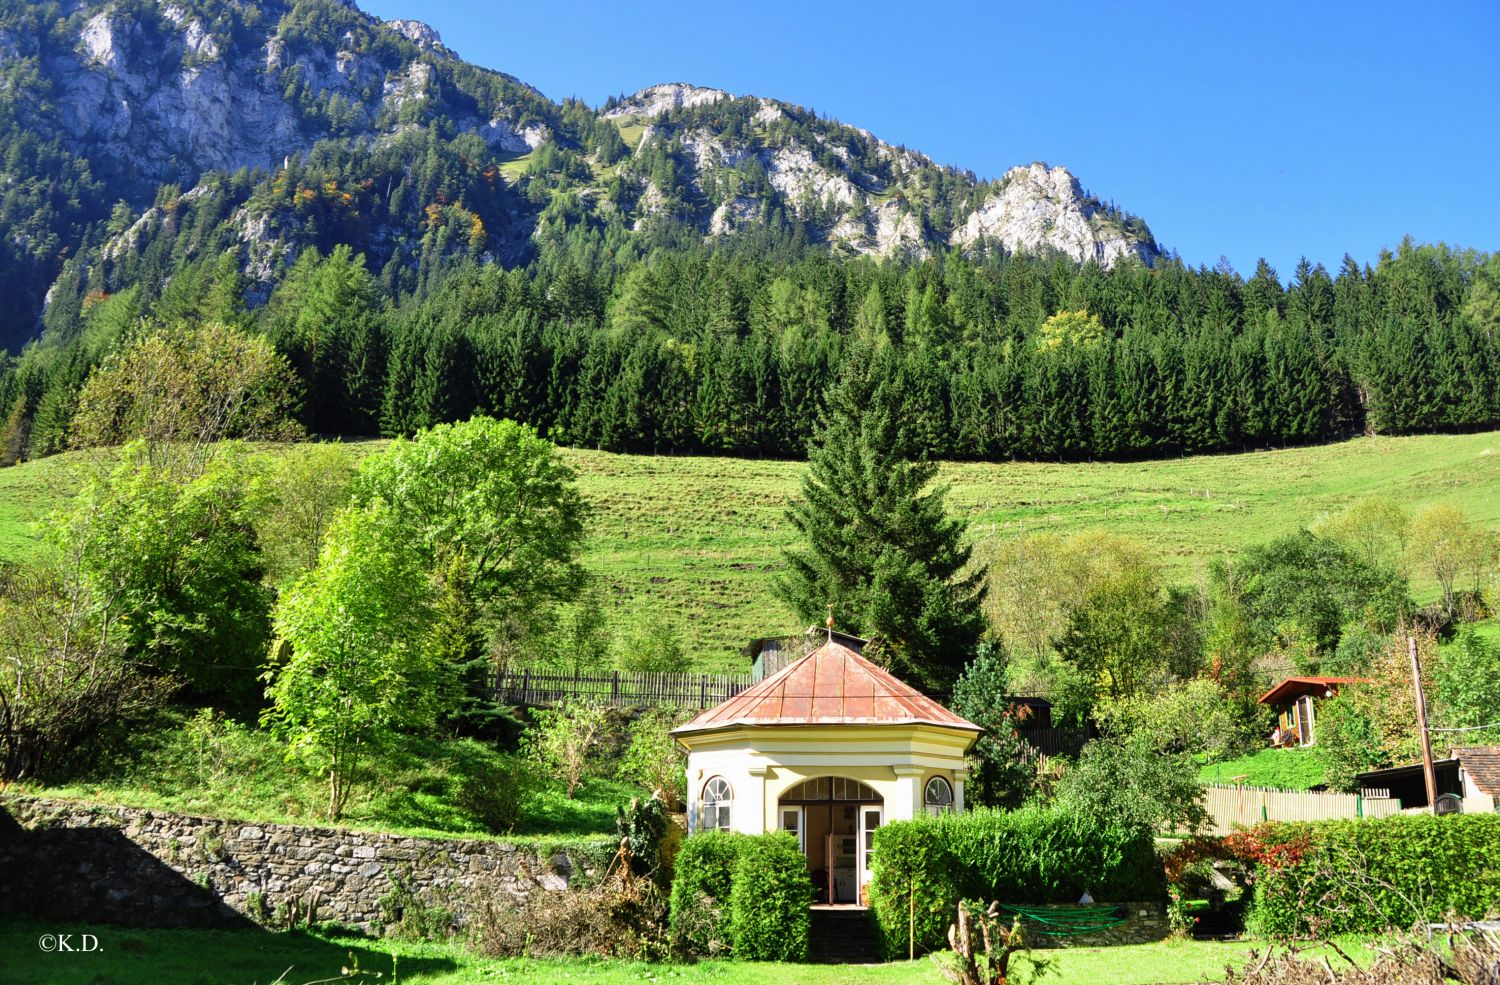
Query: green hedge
{"x": 1364, "y": 876}
{"x": 914, "y": 879}
{"x": 768, "y": 903}
{"x": 702, "y": 877}
{"x": 741, "y": 892}
{"x": 922, "y": 868}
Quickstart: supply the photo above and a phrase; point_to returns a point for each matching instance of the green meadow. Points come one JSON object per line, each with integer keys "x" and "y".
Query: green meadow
{"x": 702, "y": 537}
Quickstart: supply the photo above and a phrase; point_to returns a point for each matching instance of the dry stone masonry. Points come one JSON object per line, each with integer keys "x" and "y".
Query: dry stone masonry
{"x": 1144, "y": 922}
{"x": 66, "y": 860}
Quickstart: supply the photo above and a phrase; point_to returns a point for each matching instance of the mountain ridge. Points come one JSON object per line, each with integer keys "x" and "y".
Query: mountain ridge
{"x": 146, "y": 98}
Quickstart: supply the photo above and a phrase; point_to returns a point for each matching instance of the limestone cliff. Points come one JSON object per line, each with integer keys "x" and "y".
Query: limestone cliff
{"x": 1038, "y": 208}
{"x": 139, "y": 102}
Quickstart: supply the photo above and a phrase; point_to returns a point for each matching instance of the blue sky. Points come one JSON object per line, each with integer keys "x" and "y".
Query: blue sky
{"x": 1267, "y": 130}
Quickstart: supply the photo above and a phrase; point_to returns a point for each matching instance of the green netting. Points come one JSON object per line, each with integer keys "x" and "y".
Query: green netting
{"x": 1067, "y": 921}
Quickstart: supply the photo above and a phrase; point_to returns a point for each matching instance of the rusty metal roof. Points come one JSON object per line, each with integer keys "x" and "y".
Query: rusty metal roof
{"x": 1297, "y": 686}
{"x": 833, "y": 685}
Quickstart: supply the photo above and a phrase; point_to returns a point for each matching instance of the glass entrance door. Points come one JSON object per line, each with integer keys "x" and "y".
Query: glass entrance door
{"x": 791, "y": 821}
{"x": 869, "y": 819}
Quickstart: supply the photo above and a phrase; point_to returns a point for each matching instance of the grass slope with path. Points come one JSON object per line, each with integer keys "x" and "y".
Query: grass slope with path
{"x": 702, "y": 537}
{"x": 205, "y": 957}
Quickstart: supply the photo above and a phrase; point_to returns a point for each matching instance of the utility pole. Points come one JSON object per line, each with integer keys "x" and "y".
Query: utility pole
{"x": 1427, "y": 769}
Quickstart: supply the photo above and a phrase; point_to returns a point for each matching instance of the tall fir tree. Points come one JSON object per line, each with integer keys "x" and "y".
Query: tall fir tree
{"x": 876, "y": 542}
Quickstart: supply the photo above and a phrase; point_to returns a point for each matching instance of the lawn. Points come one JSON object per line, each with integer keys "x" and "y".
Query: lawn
{"x": 702, "y": 537}
{"x": 168, "y": 957}
{"x": 1283, "y": 769}
{"x": 548, "y": 818}
{"x": 241, "y": 773}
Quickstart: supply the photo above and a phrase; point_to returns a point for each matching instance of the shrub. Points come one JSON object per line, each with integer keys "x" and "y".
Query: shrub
{"x": 653, "y": 758}
{"x": 566, "y": 741}
{"x": 914, "y": 890}
{"x": 494, "y": 795}
{"x": 769, "y": 900}
{"x": 1336, "y": 877}
{"x": 621, "y": 917}
{"x": 643, "y": 826}
{"x": 1411, "y": 959}
{"x": 703, "y": 874}
{"x": 1038, "y": 854}
{"x": 406, "y": 915}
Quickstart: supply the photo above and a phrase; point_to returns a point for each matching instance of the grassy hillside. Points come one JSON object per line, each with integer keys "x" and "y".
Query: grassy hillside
{"x": 1283, "y": 769}
{"x": 702, "y": 537}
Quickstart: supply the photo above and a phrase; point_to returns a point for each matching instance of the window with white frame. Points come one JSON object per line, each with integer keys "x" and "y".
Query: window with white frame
{"x": 716, "y": 803}
{"x": 939, "y": 796}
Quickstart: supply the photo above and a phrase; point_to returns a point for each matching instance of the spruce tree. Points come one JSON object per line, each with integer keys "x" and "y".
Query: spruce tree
{"x": 876, "y": 543}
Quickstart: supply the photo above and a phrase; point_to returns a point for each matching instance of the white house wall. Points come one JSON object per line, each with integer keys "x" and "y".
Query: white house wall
{"x": 764, "y": 763}
{"x": 1476, "y": 801}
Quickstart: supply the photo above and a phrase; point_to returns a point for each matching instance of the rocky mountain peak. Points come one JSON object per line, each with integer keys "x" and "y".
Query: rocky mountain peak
{"x": 169, "y": 92}
{"x": 1035, "y": 207}
{"x": 659, "y": 100}
{"x": 416, "y": 32}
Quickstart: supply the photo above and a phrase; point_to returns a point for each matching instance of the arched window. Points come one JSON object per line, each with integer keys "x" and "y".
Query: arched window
{"x": 717, "y": 800}
{"x": 939, "y": 796}
{"x": 824, "y": 788}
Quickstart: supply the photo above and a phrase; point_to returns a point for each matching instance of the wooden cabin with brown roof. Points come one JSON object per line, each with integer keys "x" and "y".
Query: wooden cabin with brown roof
{"x": 1295, "y": 702}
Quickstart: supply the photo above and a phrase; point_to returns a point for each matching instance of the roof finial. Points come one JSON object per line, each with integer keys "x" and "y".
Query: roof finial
{"x": 830, "y": 622}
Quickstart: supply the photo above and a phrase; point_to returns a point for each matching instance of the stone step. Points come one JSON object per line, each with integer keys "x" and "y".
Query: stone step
{"x": 843, "y": 937}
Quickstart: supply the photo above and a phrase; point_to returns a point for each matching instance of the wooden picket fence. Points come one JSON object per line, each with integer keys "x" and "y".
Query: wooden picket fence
{"x": 1230, "y": 807}
{"x": 627, "y": 689}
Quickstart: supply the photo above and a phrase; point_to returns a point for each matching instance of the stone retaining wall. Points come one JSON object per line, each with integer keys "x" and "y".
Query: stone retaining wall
{"x": 1144, "y": 922}
{"x": 67, "y": 860}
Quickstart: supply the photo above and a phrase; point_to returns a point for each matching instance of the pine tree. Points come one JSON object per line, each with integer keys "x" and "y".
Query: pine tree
{"x": 13, "y": 434}
{"x": 877, "y": 544}
{"x": 455, "y": 646}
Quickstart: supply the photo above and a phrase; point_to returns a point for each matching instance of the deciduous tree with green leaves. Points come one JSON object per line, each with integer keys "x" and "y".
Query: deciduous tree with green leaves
{"x": 492, "y": 491}
{"x": 1468, "y": 688}
{"x": 1115, "y": 637}
{"x": 178, "y": 559}
{"x": 1445, "y": 544}
{"x": 1130, "y": 783}
{"x": 1192, "y": 716}
{"x": 305, "y": 487}
{"x": 1375, "y": 724}
{"x": 356, "y": 673}
{"x": 180, "y": 390}
{"x": 653, "y": 759}
{"x": 1375, "y": 528}
{"x": 1303, "y": 587}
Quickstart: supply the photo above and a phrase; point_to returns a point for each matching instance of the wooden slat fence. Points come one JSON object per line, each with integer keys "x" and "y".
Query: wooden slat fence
{"x": 1230, "y": 807}
{"x": 1050, "y": 742}
{"x": 619, "y": 688}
